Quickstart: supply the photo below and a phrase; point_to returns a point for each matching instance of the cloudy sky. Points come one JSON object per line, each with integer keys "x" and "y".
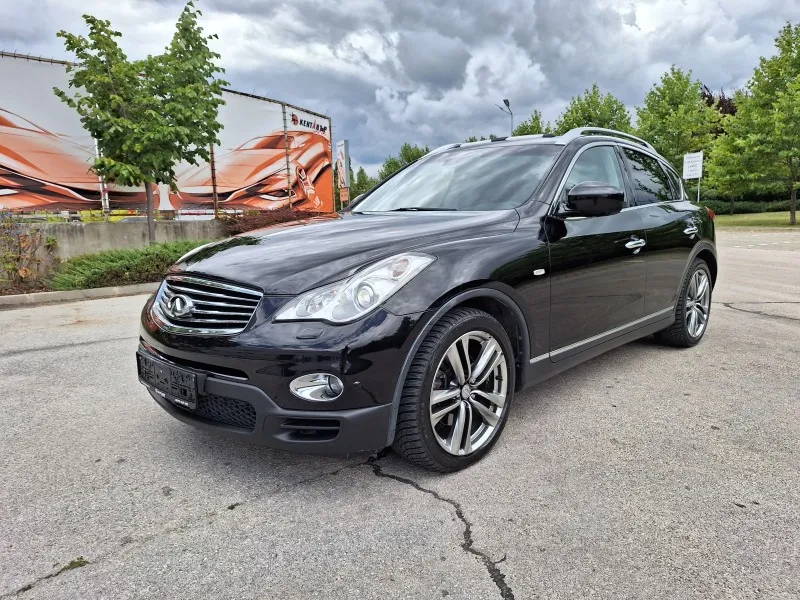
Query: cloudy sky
{"x": 431, "y": 71}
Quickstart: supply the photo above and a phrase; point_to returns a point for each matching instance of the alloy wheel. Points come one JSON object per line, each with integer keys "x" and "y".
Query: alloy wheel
{"x": 469, "y": 393}
{"x": 698, "y": 303}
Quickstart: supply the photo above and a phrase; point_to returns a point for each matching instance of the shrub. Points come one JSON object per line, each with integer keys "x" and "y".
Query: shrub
{"x": 250, "y": 221}
{"x": 21, "y": 262}
{"x": 723, "y": 207}
{"x": 121, "y": 267}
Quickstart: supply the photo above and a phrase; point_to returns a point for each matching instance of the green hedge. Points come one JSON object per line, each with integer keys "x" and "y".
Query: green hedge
{"x": 120, "y": 267}
{"x": 723, "y": 207}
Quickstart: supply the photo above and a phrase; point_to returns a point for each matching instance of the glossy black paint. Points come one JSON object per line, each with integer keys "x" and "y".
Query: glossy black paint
{"x": 556, "y": 282}
{"x": 593, "y": 199}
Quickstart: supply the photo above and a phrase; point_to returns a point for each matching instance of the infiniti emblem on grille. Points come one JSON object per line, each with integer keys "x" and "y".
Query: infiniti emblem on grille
{"x": 180, "y": 306}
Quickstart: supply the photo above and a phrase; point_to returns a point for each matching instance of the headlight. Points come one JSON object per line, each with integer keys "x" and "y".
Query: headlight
{"x": 346, "y": 301}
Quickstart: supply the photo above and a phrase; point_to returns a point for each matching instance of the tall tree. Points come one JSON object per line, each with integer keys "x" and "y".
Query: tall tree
{"x": 408, "y": 154}
{"x": 147, "y": 115}
{"x": 362, "y": 182}
{"x": 533, "y": 125}
{"x": 675, "y": 117}
{"x": 762, "y": 142}
{"x": 594, "y": 109}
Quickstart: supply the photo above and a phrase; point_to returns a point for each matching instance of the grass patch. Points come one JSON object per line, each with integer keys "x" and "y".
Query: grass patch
{"x": 75, "y": 563}
{"x": 772, "y": 219}
{"x": 121, "y": 267}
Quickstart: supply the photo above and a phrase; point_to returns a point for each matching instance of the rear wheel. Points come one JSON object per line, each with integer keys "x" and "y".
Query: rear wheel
{"x": 457, "y": 392}
{"x": 693, "y": 310}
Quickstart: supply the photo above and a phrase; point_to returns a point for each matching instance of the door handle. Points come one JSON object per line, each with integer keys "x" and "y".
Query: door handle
{"x": 637, "y": 243}
{"x": 690, "y": 230}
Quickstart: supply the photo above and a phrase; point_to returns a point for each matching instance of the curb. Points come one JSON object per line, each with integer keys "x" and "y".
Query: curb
{"x": 38, "y": 298}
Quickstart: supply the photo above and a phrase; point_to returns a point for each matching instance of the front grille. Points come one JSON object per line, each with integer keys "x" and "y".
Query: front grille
{"x": 228, "y": 411}
{"x": 195, "y": 305}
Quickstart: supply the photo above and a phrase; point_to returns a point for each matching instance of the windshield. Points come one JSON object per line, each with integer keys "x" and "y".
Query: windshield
{"x": 482, "y": 178}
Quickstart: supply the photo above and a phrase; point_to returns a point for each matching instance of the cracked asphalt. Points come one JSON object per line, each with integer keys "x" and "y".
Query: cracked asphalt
{"x": 646, "y": 473}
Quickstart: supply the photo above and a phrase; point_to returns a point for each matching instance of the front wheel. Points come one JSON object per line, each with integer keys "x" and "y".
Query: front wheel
{"x": 457, "y": 392}
{"x": 693, "y": 310}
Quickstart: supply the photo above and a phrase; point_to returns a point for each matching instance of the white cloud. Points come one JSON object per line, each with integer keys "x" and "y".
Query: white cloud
{"x": 429, "y": 73}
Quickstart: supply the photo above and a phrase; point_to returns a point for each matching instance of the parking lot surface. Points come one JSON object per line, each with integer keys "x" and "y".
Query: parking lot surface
{"x": 648, "y": 472}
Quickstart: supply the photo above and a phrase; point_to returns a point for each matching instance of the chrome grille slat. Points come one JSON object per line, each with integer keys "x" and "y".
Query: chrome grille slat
{"x": 169, "y": 294}
{"x": 194, "y": 313}
{"x": 229, "y": 313}
{"x": 210, "y": 294}
{"x": 217, "y": 284}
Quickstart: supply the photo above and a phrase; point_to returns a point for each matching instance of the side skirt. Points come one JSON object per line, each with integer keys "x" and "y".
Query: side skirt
{"x": 540, "y": 370}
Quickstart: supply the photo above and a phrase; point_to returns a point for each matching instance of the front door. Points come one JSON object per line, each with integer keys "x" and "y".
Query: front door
{"x": 597, "y": 271}
{"x": 671, "y": 224}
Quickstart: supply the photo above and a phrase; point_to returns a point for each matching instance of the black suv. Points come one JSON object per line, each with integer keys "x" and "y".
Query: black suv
{"x": 412, "y": 318}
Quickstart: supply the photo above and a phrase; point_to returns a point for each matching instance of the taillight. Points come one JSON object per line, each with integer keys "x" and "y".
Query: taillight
{"x": 711, "y": 213}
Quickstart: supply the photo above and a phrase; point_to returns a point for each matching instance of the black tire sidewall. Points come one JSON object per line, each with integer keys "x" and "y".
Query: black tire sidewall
{"x": 698, "y": 265}
{"x": 473, "y": 323}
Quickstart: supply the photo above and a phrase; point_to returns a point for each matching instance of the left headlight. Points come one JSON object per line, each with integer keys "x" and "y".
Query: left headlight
{"x": 348, "y": 300}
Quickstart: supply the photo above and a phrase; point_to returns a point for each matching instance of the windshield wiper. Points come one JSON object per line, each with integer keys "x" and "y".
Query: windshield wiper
{"x": 421, "y": 208}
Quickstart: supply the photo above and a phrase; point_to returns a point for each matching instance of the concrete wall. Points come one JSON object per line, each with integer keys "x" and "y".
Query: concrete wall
{"x": 75, "y": 239}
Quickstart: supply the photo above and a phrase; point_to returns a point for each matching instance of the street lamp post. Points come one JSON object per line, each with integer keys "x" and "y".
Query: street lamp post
{"x": 507, "y": 110}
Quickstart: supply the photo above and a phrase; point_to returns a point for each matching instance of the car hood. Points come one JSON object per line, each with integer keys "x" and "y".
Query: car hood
{"x": 294, "y": 257}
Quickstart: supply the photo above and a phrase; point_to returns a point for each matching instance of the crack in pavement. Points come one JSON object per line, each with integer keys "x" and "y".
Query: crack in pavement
{"x": 495, "y": 573}
{"x": 187, "y": 524}
{"x": 760, "y": 313}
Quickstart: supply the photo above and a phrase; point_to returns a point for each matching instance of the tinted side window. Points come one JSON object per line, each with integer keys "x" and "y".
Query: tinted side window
{"x": 596, "y": 164}
{"x": 677, "y": 194}
{"x": 650, "y": 182}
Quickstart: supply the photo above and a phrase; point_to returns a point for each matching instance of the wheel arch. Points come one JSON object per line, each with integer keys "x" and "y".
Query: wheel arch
{"x": 493, "y": 301}
{"x": 711, "y": 260}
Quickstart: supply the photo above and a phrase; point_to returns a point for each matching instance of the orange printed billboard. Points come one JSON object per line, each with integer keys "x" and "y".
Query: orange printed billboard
{"x": 271, "y": 155}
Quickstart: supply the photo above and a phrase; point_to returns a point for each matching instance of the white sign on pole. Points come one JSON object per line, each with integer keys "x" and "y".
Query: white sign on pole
{"x": 693, "y": 165}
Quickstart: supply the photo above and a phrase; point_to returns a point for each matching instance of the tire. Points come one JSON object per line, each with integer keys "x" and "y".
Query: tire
{"x": 679, "y": 334}
{"x": 420, "y": 437}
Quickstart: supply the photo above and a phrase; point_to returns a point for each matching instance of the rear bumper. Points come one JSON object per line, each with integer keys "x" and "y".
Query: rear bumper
{"x": 334, "y": 432}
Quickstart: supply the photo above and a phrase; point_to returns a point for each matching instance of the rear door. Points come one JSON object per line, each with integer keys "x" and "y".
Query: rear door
{"x": 597, "y": 274}
{"x": 669, "y": 222}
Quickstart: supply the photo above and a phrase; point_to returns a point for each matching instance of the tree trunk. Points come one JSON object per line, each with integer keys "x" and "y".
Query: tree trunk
{"x": 792, "y": 204}
{"x": 151, "y": 223}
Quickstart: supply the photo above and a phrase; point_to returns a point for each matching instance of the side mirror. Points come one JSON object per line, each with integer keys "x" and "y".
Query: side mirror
{"x": 595, "y": 199}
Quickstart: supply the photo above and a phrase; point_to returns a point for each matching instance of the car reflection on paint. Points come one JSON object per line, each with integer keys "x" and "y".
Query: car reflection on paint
{"x": 254, "y": 175}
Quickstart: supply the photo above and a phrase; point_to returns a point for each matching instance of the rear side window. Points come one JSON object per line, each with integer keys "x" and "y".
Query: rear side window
{"x": 650, "y": 183}
{"x": 677, "y": 193}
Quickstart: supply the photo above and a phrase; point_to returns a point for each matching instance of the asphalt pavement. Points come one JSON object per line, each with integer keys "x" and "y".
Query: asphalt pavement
{"x": 646, "y": 473}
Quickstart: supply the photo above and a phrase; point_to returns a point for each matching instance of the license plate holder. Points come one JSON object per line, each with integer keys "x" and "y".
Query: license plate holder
{"x": 177, "y": 385}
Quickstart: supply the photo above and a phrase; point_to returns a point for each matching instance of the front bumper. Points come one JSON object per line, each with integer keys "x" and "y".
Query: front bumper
{"x": 248, "y": 375}
{"x": 331, "y": 432}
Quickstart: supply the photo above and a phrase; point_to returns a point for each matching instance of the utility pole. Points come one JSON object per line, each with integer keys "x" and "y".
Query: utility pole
{"x": 214, "y": 183}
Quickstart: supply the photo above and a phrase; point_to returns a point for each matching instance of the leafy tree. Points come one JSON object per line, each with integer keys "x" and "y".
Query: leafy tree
{"x": 720, "y": 101}
{"x": 675, "y": 117}
{"x": 147, "y": 115}
{"x": 474, "y": 138}
{"x": 408, "y": 154}
{"x": 533, "y": 126}
{"x": 362, "y": 183}
{"x": 594, "y": 109}
{"x": 762, "y": 142}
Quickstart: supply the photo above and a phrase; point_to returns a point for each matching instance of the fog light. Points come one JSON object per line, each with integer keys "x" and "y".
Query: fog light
{"x": 317, "y": 387}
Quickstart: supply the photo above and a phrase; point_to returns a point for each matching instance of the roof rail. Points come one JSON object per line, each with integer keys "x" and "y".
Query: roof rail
{"x": 443, "y": 148}
{"x": 573, "y": 134}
